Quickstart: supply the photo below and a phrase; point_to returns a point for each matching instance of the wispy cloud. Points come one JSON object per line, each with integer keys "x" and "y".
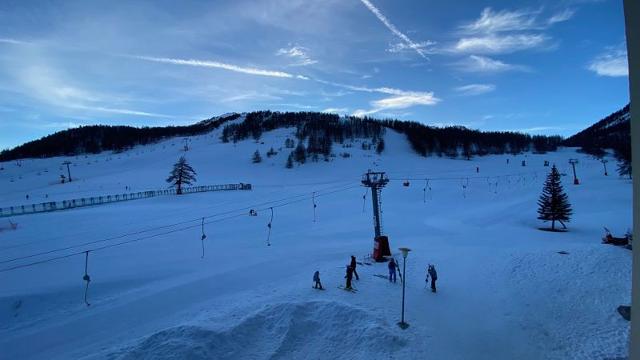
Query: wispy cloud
{"x": 296, "y": 106}
{"x": 477, "y": 63}
{"x": 424, "y": 46}
{"x": 417, "y": 47}
{"x": 507, "y": 31}
{"x": 418, "y": 96}
{"x": 220, "y": 65}
{"x": 562, "y": 16}
{"x": 611, "y": 63}
{"x": 498, "y": 21}
{"x": 491, "y": 22}
{"x": 493, "y": 44}
{"x": 50, "y": 87}
{"x": 475, "y": 89}
{"x": 336, "y": 110}
{"x": 117, "y": 111}
{"x": 299, "y": 54}
{"x": 400, "y": 101}
{"x": 251, "y": 95}
{"x": 12, "y": 41}
{"x": 405, "y": 101}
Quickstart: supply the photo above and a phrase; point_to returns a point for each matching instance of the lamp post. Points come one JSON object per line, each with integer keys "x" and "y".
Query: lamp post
{"x": 405, "y": 251}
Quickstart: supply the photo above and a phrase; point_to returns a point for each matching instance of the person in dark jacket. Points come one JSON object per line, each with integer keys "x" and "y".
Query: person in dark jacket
{"x": 353, "y": 266}
{"x": 433, "y": 274}
{"x": 316, "y": 280}
{"x": 392, "y": 270}
{"x": 349, "y": 276}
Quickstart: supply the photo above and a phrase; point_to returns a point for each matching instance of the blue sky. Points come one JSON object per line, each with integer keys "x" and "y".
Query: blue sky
{"x": 550, "y": 67}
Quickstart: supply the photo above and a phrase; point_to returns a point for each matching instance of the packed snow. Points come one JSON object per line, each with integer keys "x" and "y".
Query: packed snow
{"x": 504, "y": 290}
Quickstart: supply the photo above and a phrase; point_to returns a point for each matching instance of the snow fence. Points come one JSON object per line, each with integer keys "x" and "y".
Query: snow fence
{"x": 106, "y": 199}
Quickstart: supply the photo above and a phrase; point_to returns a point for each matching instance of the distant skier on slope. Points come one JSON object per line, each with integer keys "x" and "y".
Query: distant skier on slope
{"x": 392, "y": 270}
{"x": 349, "y": 276}
{"x": 433, "y": 274}
{"x": 316, "y": 279}
{"x": 353, "y": 266}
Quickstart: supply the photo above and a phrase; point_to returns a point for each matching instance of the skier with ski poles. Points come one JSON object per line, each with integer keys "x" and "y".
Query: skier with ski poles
{"x": 353, "y": 266}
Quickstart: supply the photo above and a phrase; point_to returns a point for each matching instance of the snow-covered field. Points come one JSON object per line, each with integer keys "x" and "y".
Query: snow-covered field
{"x": 504, "y": 291}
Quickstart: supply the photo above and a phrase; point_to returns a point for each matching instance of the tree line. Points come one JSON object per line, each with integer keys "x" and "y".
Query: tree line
{"x": 317, "y": 132}
{"x": 315, "y": 136}
{"x": 97, "y": 138}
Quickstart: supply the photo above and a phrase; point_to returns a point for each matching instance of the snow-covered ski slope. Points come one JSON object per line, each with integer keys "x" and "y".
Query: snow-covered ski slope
{"x": 504, "y": 291}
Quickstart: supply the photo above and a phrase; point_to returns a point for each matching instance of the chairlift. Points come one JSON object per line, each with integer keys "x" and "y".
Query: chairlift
{"x": 252, "y": 212}
{"x": 406, "y": 183}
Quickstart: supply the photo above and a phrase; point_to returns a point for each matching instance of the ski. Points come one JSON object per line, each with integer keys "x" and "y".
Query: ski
{"x": 353, "y": 290}
{"x": 384, "y": 277}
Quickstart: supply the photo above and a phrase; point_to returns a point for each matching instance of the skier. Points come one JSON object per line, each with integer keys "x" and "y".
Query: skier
{"x": 431, "y": 272}
{"x": 316, "y": 280}
{"x": 353, "y": 266}
{"x": 392, "y": 270}
{"x": 349, "y": 276}
{"x": 477, "y": 169}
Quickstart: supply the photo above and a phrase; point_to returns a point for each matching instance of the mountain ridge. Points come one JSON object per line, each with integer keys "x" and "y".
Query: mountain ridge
{"x": 315, "y": 129}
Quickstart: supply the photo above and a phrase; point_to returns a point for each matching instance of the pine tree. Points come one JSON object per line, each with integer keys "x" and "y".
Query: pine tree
{"x": 256, "y": 157}
{"x": 289, "y": 161}
{"x": 181, "y": 174}
{"x": 300, "y": 153}
{"x": 624, "y": 168}
{"x": 554, "y": 203}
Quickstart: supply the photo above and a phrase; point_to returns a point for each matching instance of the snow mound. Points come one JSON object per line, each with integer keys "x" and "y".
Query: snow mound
{"x": 311, "y": 330}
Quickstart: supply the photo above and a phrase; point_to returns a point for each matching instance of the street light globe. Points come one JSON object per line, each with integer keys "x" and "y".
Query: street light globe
{"x": 404, "y": 251}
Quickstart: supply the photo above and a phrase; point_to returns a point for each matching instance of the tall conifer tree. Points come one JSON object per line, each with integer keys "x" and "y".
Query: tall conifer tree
{"x": 553, "y": 204}
{"x": 181, "y": 174}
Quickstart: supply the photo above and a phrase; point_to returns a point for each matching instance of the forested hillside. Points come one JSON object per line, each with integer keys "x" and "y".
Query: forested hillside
{"x": 97, "y": 138}
{"x": 316, "y": 134}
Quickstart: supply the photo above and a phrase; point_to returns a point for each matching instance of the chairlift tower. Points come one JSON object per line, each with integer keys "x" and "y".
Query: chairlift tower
{"x": 573, "y": 163}
{"x": 68, "y": 170}
{"x": 376, "y": 181}
{"x": 604, "y": 163}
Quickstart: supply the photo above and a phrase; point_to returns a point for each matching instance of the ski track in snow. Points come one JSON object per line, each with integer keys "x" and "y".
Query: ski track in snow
{"x": 504, "y": 292}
